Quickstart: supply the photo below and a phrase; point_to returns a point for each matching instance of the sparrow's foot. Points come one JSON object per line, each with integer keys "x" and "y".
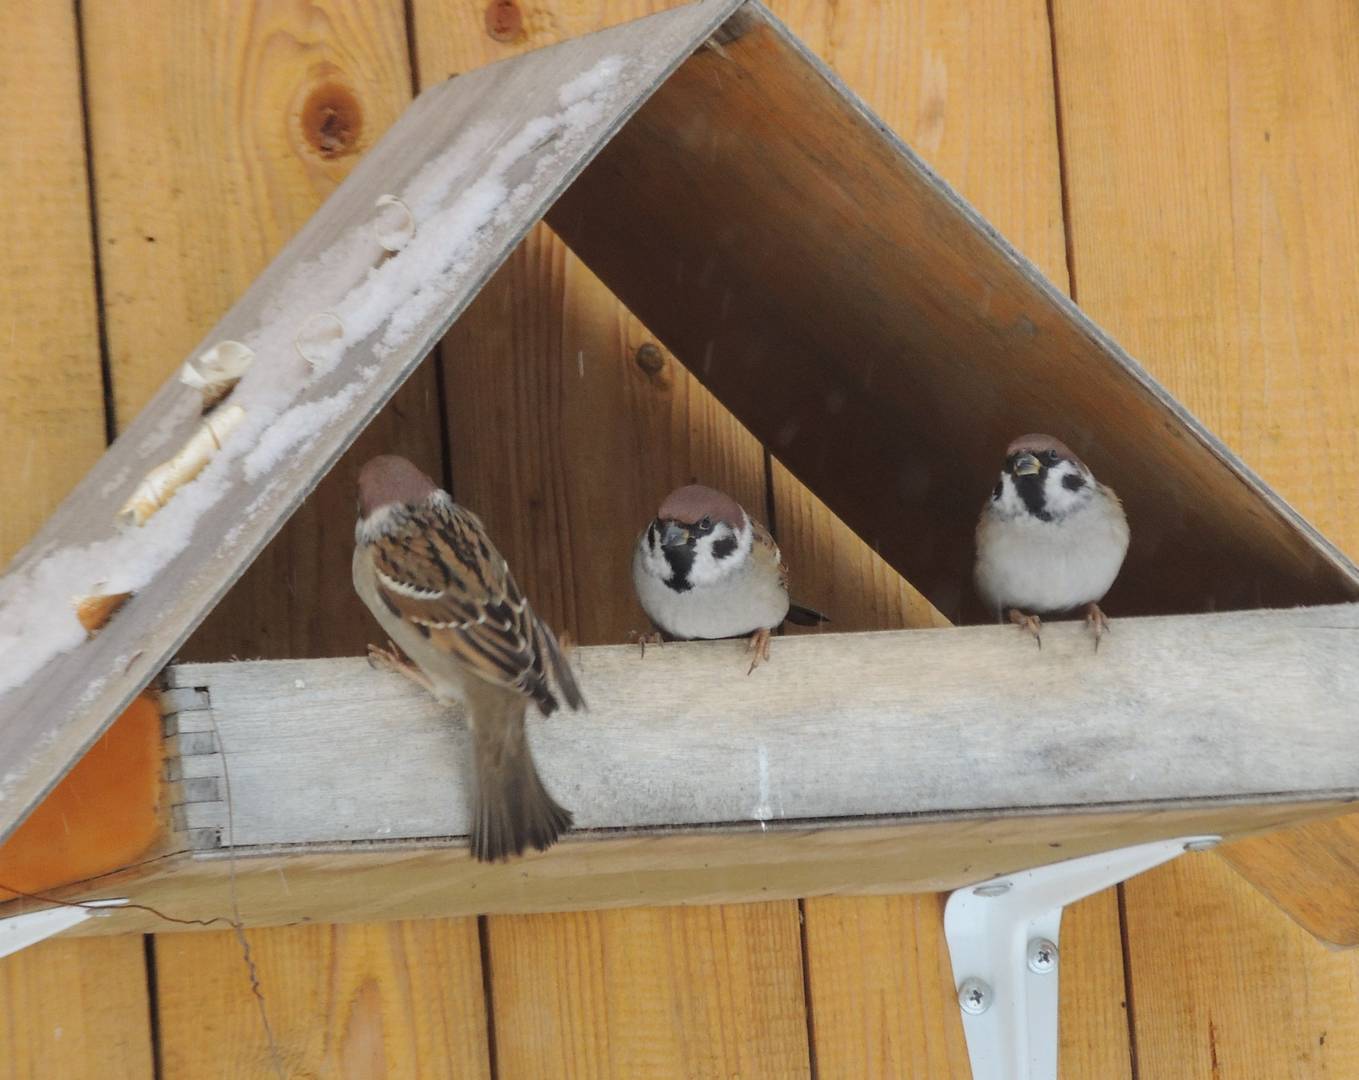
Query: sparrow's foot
{"x": 1099, "y": 622}
{"x": 392, "y": 659}
{"x": 759, "y": 645}
{"x": 643, "y": 640}
{"x": 1029, "y": 623}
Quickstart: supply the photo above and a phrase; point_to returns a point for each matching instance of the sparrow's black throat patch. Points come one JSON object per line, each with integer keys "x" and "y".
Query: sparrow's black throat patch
{"x": 681, "y": 560}
{"x": 1030, "y": 489}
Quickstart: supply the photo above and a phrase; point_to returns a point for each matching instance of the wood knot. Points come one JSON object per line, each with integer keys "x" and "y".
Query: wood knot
{"x": 650, "y": 359}
{"x": 332, "y": 120}
{"x": 504, "y": 20}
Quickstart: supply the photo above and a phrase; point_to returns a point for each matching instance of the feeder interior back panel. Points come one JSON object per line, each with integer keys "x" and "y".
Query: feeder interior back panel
{"x": 887, "y": 344}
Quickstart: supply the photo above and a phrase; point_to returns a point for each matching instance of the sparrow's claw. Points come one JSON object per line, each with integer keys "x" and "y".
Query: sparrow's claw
{"x": 391, "y": 659}
{"x": 643, "y": 640}
{"x": 759, "y": 645}
{"x": 1099, "y": 622}
{"x": 1030, "y": 623}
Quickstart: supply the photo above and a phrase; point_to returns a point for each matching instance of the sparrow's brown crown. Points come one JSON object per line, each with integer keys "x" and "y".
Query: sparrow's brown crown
{"x": 692, "y": 503}
{"x": 390, "y": 479}
{"x": 1038, "y": 445}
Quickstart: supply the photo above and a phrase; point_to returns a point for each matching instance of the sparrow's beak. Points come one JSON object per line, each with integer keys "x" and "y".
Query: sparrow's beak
{"x": 672, "y": 536}
{"x": 1027, "y": 465}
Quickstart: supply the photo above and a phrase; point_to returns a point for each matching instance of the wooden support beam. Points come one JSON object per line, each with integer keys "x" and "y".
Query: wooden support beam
{"x": 893, "y": 761}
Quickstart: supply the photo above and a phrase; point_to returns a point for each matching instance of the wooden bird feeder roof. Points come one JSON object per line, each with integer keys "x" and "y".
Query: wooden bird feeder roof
{"x": 861, "y": 319}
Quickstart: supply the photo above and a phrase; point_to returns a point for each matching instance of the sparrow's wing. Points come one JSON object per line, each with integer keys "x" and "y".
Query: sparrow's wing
{"x": 766, "y": 554}
{"x": 437, "y": 570}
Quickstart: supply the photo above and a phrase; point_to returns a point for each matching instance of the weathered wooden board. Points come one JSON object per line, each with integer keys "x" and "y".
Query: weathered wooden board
{"x": 503, "y": 141}
{"x": 890, "y": 345}
{"x": 365, "y": 881}
{"x": 838, "y": 726}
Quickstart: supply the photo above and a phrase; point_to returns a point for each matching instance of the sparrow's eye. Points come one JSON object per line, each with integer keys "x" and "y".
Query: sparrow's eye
{"x": 706, "y": 523}
{"x": 1051, "y": 457}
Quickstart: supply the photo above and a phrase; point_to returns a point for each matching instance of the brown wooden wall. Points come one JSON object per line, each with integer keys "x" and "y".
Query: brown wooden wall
{"x": 1190, "y": 172}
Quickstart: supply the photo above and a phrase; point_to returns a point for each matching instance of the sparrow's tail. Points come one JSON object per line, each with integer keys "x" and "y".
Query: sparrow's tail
{"x": 805, "y": 616}
{"x": 512, "y": 810}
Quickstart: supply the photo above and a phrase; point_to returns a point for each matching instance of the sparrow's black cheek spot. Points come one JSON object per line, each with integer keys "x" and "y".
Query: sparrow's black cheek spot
{"x": 724, "y": 548}
{"x": 1073, "y": 481}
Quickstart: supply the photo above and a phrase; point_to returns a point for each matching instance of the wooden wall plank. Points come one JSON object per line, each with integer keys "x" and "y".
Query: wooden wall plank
{"x": 969, "y": 86}
{"x": 1224, "y": 987}
{"x": 76, "y": 1009}
{"x": 72, "y": 1009}
{"x": 373, "y": 1000}
{"x": 1212, "y": 185}
{"x": 566, "y": 444}
{"x": 51, "y": 390}
{"x": 217, "y": 131}
{"x": 650, "y": 992}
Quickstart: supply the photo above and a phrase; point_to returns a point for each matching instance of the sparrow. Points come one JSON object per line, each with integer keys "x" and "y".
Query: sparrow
{"x": 704, "y": 569}
{"x": 430, "y": 575}
{"x": 1050, "y": 539}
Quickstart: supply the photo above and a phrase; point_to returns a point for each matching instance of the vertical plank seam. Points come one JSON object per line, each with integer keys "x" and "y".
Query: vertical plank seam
{"x": 484, "y": 940}
{"x": 87, "y": 135}
{"x": 1070, "y": 248}
{"x": 436, "y": 356}
{"x": 1062, "y": 177}
{"x": 812, "y": 1067}
{"x": 1129, "y": 1011}
{"x": 153, "y": 1005}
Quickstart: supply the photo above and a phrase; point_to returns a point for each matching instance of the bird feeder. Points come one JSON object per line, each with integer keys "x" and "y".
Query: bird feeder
{"x": 873, "y": 331}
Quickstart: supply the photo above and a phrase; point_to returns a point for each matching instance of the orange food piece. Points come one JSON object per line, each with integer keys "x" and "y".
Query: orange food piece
{"x": 100, "y": 817}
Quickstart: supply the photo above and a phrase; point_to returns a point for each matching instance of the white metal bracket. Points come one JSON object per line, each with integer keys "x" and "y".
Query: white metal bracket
{"x": 20, "y": 931}
{"x": 1002, "y": 939}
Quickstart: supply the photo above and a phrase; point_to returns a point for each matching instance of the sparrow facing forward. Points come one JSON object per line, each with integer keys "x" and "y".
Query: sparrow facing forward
{"x": 704, "y": 569}
{"x": 430, "y": 575}
{"x": 1051, "y": 538}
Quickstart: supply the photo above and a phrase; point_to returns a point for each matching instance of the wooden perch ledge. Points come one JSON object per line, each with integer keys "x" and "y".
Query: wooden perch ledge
{"x": 908, "y": 760}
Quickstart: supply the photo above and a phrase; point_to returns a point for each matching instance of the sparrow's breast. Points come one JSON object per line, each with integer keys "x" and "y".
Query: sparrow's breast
{"x": 1040, "y": 566}
{"x": 737, "y": 606}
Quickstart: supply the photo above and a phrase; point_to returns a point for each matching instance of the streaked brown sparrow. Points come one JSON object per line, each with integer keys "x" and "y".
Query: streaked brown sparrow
{"x": 430, "y": 575}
